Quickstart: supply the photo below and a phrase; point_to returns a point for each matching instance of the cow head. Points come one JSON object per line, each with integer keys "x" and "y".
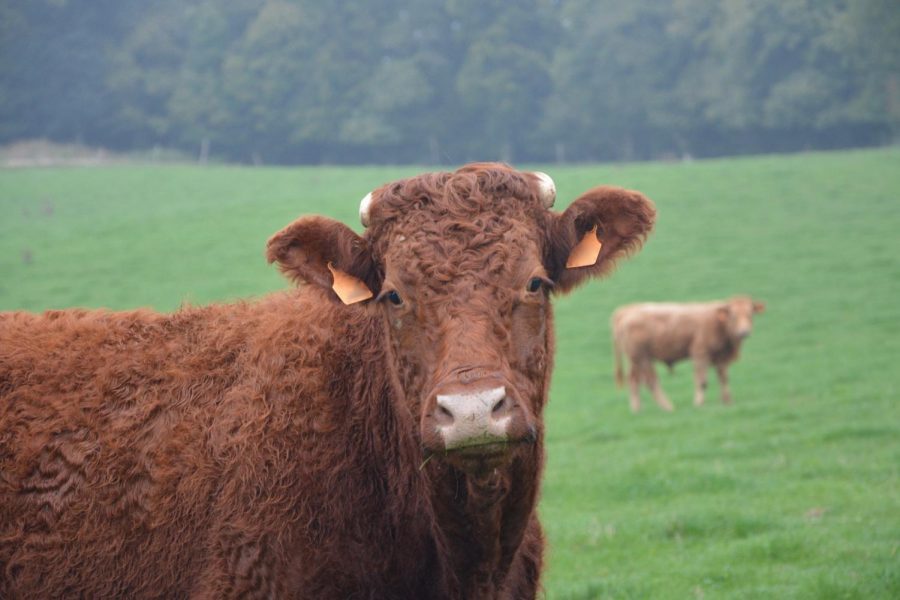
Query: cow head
{"x": 460, "y": 267}
{"x": 736, "y": 315}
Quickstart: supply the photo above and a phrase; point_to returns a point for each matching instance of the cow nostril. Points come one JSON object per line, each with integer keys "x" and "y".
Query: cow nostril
{"x": 500, "y": 405}
{"x": 444, "y": 415}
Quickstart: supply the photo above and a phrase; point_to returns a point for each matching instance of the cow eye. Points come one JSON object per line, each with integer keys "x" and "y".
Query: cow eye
{"x": 394, "y": 298}
{"x": 534, "y": 284}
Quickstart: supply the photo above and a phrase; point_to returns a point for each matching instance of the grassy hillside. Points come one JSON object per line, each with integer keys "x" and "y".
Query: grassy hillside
{"x": 793, "y": 492}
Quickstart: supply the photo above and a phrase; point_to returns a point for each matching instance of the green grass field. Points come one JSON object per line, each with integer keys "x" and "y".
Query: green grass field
{"x": 792, "y": 492}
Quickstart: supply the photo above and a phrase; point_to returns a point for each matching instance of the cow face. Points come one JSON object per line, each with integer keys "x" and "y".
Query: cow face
{"x": 460, "y": 268}
{"x": 737, "y": 316}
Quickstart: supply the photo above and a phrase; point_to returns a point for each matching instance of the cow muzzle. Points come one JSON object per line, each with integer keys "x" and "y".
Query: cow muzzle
{"x": 476, "y": 420}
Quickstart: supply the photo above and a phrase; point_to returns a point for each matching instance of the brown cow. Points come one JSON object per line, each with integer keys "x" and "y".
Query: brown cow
{"x": 706, "y": 332}
{"x": 297, "y": 446}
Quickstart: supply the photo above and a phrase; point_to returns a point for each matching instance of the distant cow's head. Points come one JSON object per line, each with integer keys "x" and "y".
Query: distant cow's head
{"x": 460, "y": 267}
{"x": 737, "y": 315}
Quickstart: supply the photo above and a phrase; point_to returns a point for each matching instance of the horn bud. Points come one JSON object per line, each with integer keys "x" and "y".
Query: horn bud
{"x": 546, "y": 188}
{"x": 364, "y": 207}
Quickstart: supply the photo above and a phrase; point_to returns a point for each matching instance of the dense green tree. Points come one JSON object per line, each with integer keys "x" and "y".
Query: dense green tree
{"x": 613, "y": 75}
{"x": 504, "y": 78}
{"x": 143, "y": 75}
{"x": 451, "y": 80}
{"x": 197, "y": 103}
{"x": 866, "y": 34}
{"x": 52, "y": 67}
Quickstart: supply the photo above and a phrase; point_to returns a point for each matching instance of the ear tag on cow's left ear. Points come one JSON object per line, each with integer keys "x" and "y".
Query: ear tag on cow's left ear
{"x": 348, "y": 288}
{"x": 585, "y": 253}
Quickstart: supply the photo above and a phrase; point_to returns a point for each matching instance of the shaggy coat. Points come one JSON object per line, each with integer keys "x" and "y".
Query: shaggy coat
{"x": 709, "y": 333}
{"x": 291, "y": 447}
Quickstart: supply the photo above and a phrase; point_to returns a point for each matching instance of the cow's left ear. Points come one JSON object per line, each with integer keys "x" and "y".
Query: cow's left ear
{"x": 327, "y": 253}
{"x": 601, "y": 226}
{"x": 759, "y": 307}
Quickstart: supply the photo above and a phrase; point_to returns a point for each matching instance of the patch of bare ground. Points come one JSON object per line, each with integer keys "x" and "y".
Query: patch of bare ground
{"x": 45, "y": 153}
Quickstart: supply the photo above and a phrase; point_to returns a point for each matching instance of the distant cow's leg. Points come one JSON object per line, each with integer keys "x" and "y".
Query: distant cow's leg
{"x": 634, "y": 384}
{"x": 658, "y": 394}
{"x": 699, "y": 381}
{"x": 722, "y": 370}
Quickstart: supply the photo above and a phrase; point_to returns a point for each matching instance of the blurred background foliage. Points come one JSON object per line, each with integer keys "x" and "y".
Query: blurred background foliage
{"x": 445, "y": 81}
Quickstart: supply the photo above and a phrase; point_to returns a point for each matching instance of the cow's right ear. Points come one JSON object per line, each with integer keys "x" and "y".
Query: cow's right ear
{"x": 325, "y": 252}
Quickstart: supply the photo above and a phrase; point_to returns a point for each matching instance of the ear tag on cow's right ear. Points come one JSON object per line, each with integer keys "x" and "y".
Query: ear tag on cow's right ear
{"x": 585, "y": 253}
{"x": 348, "y": 288}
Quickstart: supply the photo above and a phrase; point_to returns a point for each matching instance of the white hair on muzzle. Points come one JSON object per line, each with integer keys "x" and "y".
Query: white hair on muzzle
{"x": 364, "y": 207}
{"x": 546, "y": 187}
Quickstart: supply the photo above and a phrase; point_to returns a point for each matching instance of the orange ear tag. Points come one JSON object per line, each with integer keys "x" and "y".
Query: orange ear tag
{"x": 348, "y": 288}
{"x": 585, "y": 253}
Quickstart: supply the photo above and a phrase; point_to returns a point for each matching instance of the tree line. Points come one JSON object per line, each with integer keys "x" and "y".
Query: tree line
{"x": 445, "y": 81}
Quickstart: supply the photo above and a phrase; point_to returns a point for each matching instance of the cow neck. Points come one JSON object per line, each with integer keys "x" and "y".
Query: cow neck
{"x": 481, "y": 520}
{"x": 723, "y": 346}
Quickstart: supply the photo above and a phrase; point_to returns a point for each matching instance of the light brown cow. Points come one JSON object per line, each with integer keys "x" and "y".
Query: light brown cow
{"x": 376, "y": 433}
{"x": 706, "y": 332}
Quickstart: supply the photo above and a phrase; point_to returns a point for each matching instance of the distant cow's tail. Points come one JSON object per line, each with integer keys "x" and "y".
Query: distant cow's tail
{"x": 617, "y": 355}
